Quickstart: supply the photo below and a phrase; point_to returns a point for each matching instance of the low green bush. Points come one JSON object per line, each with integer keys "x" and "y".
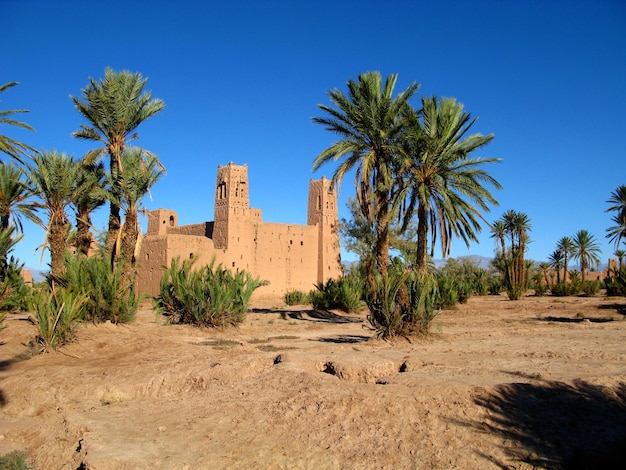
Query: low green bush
{"x": 210, "y": 296}
{"x": 343, "y": 294}
{"x": 296, "y": 297}
{"x": 58, "y": 312}
{"x": 109, "y": 297}
{"x": 14, "y": 461}
{"x": 563, "y": 289}
{"x": 403, "y": 304}
{"x": 591, "y": 288}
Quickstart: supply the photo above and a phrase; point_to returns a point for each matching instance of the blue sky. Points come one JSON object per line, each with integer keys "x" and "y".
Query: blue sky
{"x": 242, "y": 79}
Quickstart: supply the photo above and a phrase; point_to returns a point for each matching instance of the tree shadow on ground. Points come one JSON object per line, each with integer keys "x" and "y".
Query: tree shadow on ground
{"x": 619, "y": 308}
{"x": 320, "y": 316}
{"x": 344, "y": 339}
{"x": 557, "y": 425}
{"x": 575, "y": 319}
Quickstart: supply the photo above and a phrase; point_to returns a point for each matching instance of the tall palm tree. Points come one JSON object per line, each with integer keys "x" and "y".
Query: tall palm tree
{"x": 514, "y": 227}
{"x": 15, "y": 199}
{"x": 140, "y": 173}
{"x": 586, "y": 250}
{"x": 89, "y": 194}
{"x": 617, "y": 233}
{"x": 369, "y": 125}
{"x": 12, "y": 147}
{"x": 438, "y": 181}
{"x": 566, "y": 246}
{"x": 114, "y": 108}
{"x": 556, "y": 262}
{"x": 53, "y": 177}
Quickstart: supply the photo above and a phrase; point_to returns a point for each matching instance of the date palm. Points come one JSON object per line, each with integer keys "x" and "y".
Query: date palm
{"x": 89, "y": 195}
{"x": 15, "y": 199}
{"x": 114, "y": 108}
{"x": 369, "y": 126}
{"x": 513, "y": 227}
{"x": 566, "y": 246}
{"x": 586, "y": 251}
{"x": 556, "y": 262}
{"x": 140, "y": 173}
{"x": 53, "y": 177}
{"x": 620, "y": 258}
{"x": 438, "y": 181}
{"x": 617, "y": 233}
{"x": 12, "y": 147}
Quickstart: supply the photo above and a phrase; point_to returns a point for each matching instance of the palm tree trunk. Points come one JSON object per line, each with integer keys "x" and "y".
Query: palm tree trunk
{"x": 83, "y": 235}
{"x": 129, "y": 237}
{"x": 57, "y": 239}
{"x": 422, "y": 233}
{"x": 382, "y": 232}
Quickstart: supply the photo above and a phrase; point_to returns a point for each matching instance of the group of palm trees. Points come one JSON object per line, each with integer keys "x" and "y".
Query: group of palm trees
{"x": 408, "y": 163}
{"x": 53, "y": 182}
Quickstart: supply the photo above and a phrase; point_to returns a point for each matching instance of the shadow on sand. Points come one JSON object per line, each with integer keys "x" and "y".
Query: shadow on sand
{"x": 320, "y": 316}
{"x": 557, "y": 425}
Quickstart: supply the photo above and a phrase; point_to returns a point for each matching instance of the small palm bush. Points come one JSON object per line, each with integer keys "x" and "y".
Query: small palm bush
{"x": 448, "y": 296}
{"x": 210, "y": 296}
{"x": 58, "y": 312}
{"x": 296, "y": 297}
{"x": 562, "y": 289}
{"x": 109, "y": 297}
{"x": 404, "y": 302}
{"x": 343, "y": 294}
{"x": 591, "y": 288}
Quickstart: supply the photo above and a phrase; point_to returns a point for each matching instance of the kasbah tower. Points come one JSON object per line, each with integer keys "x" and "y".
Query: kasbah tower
{"x": 289, "y": 256}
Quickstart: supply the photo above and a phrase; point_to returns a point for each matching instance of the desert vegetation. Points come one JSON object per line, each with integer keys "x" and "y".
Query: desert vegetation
{"x": 418, "y": 186}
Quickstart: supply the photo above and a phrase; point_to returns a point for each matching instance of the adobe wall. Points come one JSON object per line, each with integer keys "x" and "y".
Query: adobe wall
{"x": 289, "y": 256}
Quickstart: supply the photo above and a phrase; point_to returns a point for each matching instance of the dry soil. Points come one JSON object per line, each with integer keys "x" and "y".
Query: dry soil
{"x": 537, "y": 383}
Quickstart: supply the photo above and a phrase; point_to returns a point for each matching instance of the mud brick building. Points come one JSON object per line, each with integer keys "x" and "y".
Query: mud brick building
{"x": 289, "y": 256}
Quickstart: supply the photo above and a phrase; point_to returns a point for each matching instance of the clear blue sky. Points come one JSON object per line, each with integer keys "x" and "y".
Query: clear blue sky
{"x": 242, "y": 79}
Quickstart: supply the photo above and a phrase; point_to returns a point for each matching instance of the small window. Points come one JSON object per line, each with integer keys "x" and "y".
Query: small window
{"x": 291, "y": 242}
{"x": 171, "y": 220}
{"x": 190, "y": 255}
{"x": 147, "y": 256}
{"x": 233, "y": 264}
{"x": 301, "y": 243}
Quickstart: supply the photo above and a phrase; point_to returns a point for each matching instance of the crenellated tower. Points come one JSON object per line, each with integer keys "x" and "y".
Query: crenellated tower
{"x": 323, "y": 213}
{"x": 232, "y": 202}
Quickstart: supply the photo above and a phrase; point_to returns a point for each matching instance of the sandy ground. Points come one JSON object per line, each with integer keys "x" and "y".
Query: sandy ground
{"x": 499, "y": 384}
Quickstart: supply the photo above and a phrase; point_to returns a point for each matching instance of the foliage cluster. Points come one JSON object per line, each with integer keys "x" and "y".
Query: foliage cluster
{"x": 404, "y": 303}
{"x": 297, "y": 297}
{"x": 210, "y": 296}
{"x": 345, "y": 294}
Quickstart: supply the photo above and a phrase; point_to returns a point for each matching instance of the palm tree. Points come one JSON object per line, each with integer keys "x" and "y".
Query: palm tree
{"x": 514, "y": 227}
{"x": 369, "y": 125}
{"x": 114, "y": 108}
{"x": 586, "y": 250}
{"x": 566, "y": 246}
{"x": 15, "y": 199}
{"x": 544, "y": 269}
{"x": 437, "y": 179}
{"x": 556, "y": 262}
{"x": 12, "y": 147}
{"x": 89, "y": 194}
{"x": 617, "y": 232}
{"x": 53, "y": 177}
{"x": 139, "y": 175}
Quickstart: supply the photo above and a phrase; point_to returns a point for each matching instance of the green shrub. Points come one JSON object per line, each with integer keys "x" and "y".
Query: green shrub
{"x": 14, "y": 293}
{"x": 591, "y": 288}
{"x": 57, "y": 312}
{"x": 563, "y": 289}
{"x": 109, "y": 297}
{"x": 14, "y": 461}
{"x": 296, "y": 297}
{"x": 207, "y": 296}
{"x": 404, "y": 303}
{"x": 343, "y": 294}
{"x": 448, "y": 296}
{"x": 615, "y": 286}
